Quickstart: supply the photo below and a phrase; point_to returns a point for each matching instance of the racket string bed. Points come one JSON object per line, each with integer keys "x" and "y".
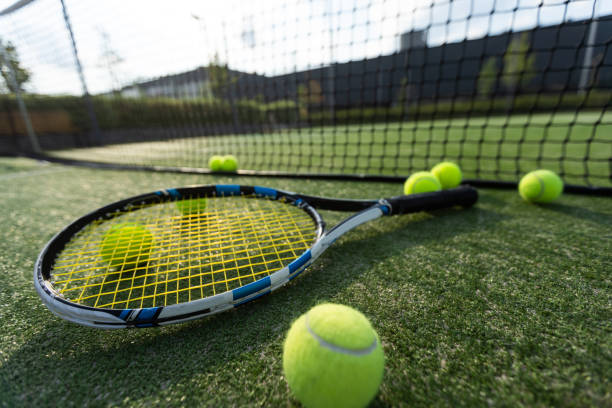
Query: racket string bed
{"x": 232, "y": 242}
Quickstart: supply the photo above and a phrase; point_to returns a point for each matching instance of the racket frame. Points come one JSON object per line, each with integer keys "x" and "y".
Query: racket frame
{"x": 162, "y": 315}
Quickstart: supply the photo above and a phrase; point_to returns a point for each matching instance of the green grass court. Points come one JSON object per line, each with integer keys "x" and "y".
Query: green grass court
{"x": 503, "y": 304}
{"x": 494, "y": 148}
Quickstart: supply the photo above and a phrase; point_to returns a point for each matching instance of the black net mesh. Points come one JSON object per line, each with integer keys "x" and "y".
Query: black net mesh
{"x": 330, "y": 87}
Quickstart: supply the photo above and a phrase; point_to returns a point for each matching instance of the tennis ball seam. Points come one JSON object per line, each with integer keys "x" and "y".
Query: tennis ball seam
{"x": 542, "y": 188}
{"x": 335, "y": 348}
{"x": 421, "y": 181}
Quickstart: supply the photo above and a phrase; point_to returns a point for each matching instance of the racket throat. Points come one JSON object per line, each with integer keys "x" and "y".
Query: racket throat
{"x": 345, "y": 226}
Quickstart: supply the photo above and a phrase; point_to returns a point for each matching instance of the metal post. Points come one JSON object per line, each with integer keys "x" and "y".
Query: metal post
{"x": 331, "y": 70}
{"x": 77, "y": 61}
{"x": 588, "y": 54}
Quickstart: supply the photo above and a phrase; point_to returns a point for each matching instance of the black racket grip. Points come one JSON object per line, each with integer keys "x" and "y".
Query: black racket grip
{"x": 465, "y": 196}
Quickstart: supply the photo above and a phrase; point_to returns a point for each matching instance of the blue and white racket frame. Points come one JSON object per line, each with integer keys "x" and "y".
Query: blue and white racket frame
{"x": 367, "y": 210}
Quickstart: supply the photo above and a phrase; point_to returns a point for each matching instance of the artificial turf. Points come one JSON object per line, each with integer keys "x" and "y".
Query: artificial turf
{"x": 503, "y": 304}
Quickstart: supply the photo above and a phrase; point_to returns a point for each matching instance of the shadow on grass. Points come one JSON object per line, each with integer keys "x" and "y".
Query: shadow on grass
{"x": 491, "y": 199}
{"x": 64, "y": 362}
{"x": 581, "y": 213}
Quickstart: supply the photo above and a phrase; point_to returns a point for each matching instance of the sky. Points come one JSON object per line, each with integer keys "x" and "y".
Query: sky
{"x": 121, "y": 42}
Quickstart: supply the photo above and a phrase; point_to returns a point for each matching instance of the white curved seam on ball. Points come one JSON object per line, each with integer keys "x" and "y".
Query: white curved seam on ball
{"x": 421, "y": 181}
{"x": 542, "y": 187}
{"x": 338, "y": 349}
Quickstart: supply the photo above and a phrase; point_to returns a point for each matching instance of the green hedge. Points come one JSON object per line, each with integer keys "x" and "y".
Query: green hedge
{"x": 463, "y": 107}
{"x": 134, "y": 113}
{"x": 128, "y": 113}
{"x": 115, "y": 113}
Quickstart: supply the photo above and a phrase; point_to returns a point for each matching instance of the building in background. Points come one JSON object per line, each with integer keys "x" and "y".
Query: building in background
{"x": 553, "y": 62}
{"x": 413, "y": 39}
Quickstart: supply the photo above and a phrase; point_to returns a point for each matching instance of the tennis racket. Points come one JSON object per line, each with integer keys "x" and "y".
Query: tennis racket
{"x": 179, "y": 254}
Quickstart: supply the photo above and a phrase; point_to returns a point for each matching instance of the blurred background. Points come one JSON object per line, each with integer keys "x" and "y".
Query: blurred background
{"x": 334, "y": 87}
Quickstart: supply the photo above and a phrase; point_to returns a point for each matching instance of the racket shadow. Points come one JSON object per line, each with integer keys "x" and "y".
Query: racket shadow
{"x": 208, "y": 346}
{"x": 133, "y": 362}
{"x": 348, "y": 260}
{"x": 581, "y": 213}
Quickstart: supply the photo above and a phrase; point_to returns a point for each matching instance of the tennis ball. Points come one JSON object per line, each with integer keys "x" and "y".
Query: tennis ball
{"x": 126, "y": 244}
{"x": 215, "y": 162}
{"x": 193, "y": 206}
{"x": 421, "y": 182}
{"x": 230, "y": 163}
{"x": 448, "y": 174}
{"x": 332, "y": 357}
{"x": 540, "y": 186}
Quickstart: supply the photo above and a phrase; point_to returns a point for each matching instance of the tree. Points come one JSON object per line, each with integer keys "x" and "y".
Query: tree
{"x": 487, "y": 77}
{"x": 309, "y": 94}
{"x": 22, "y": 75}
{"x": 401, "y": 94}
{"x": 220, "y": 79}
{"x": 110, "y": 60}
{"x": 222, "y": 85}
{"x": 518, "y": 64}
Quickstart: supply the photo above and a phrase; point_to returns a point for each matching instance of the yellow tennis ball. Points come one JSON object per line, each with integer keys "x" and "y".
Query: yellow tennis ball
{"x": 126, "y": 244}
{"x": 192, "y": 206}
{"x": 421, "y": 182}
{"x": 540, "y": 186}
{"x": 332, "y": 357}
{"x": 448, "y": 174}
{"x": 215, "y": 163}
{"x": 230, "y": 163}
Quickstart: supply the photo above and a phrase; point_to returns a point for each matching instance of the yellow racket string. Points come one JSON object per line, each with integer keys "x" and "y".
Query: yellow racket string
{"x": 169, "y": 253}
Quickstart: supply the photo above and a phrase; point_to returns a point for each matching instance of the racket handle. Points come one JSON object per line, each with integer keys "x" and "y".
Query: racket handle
{"x": 464, "y": 196}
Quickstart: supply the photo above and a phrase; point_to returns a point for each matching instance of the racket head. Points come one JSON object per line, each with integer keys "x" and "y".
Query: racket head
{"x": 170, "y": 264}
